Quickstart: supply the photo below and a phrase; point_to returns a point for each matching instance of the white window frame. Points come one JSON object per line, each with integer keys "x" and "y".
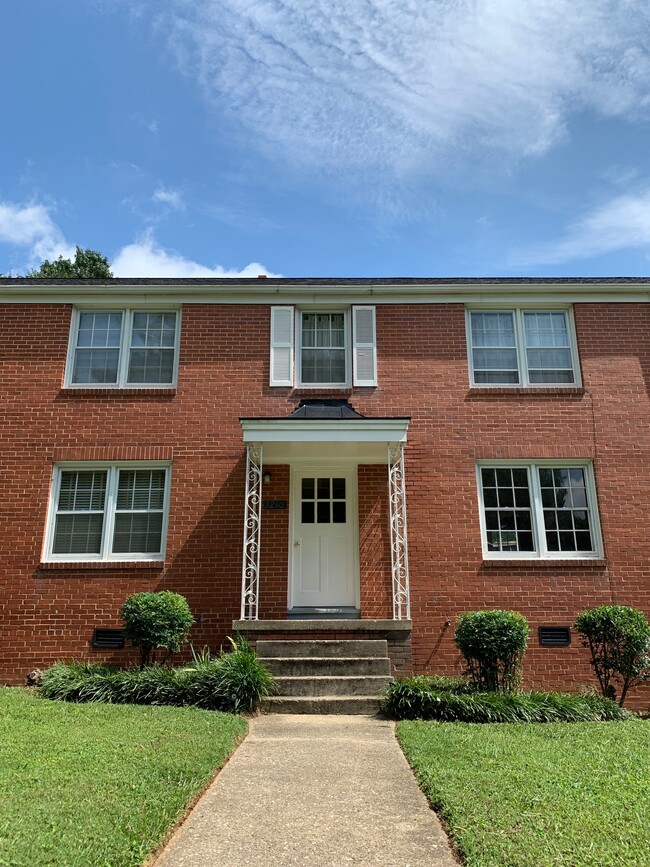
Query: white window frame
{"x": 125, "y": 346}
{"x": 347, "y": 331}
{"x": 537, "y": 513}
{"x": 106, "y": 555}
{"x": 520, "y": 344}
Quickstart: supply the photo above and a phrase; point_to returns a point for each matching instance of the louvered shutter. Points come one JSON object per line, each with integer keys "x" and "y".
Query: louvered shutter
{"x": 364, "y": 346}
{"x": 281, "y": 346}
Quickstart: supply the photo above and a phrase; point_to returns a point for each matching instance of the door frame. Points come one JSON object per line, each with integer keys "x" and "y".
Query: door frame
{"x": 330, "y": 469}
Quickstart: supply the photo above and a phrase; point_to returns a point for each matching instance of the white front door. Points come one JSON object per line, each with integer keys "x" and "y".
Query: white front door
{"x": 324, "y": 558}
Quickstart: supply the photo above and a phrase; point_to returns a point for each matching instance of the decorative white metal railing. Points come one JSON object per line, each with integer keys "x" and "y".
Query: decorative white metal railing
{"x": 250, "y": 579}
{"x": 398, "y": 536}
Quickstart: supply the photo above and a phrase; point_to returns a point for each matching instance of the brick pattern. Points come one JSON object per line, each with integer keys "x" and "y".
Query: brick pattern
{"x": 49, "y": 613}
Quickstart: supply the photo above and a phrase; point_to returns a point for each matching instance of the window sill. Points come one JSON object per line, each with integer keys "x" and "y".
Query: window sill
{"x": 520, "y": 391}
{"x": 546, "y": 563}
{"x": 100, "y": 565}
{"x": 114, "y": 392}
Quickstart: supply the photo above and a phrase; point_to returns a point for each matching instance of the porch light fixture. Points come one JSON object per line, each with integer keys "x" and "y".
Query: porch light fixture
{"x": 266, "y": 478}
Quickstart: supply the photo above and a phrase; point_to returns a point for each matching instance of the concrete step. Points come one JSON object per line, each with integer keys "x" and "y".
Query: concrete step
{"x": 319, "y": 667}
{"x": 319, "y": 686}
{"x": 345, "y": 648}
{"x": 327, "y": 704}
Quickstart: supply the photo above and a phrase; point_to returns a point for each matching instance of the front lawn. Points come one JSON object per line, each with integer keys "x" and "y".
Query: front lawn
{"x": 517, "y": 795}
{"x": 100, "y": 784}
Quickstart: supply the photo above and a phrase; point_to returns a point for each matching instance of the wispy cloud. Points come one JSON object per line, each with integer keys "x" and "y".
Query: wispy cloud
{"x": 31, "y": 228}
{"x": 622, "y": 223}
{"x": 169, "y": 197}
{"x": 146, "y": 258}
{"x": 411, "y": 86}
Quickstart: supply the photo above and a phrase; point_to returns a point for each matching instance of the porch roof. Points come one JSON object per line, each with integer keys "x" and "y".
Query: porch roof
{"x": 360, "y": 440}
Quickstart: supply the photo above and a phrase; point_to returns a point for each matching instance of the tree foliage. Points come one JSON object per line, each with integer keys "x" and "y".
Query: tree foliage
{"x": 493, "y": 644}
{"x": 87, "y": 265}
{"x": 618, "y": 638}
{"x": 154, "y": 620}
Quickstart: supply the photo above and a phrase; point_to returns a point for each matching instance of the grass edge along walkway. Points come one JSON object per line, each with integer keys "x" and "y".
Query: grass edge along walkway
{"x": 538, "y": 795}
{"x": 101, "y": 784}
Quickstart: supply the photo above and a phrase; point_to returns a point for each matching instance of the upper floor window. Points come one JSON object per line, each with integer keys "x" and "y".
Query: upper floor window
{"x": 323, "y": 351}
{"x": 323, "y": 348}
{"x": 538, "y": 509}
{"x": 108, "y": 512}
{"x": 522, "y": 347}
{"x": 123, "y": 348}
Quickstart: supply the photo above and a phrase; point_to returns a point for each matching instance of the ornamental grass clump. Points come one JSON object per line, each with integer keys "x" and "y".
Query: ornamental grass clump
{"x": 493, "y": 644}
{"x": 153, "y": 620}
{"x": 443, "y": 700}
{"x": 235, "y": 682}
{"x": 618, "y": 638}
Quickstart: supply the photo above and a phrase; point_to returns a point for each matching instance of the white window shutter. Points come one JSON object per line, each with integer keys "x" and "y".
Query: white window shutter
{"x": 364, "y": 345}
{"x": 281, "y": 346}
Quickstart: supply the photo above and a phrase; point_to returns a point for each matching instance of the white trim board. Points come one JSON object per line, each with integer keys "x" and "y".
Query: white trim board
{"x": 261, "y": 292}
{"x": 294, "y": 430}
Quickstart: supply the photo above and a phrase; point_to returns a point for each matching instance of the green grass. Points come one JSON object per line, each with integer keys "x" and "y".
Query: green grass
{"x": 100, "y": 785}
{"x": 518, "y": 795}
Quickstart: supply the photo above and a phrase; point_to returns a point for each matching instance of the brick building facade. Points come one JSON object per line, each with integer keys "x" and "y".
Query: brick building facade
{"x": 517, "y": 409}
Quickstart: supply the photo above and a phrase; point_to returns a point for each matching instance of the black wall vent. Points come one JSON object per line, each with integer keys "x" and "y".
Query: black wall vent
{"x": 108, "y": 639}
{"x": 554, "y": 636}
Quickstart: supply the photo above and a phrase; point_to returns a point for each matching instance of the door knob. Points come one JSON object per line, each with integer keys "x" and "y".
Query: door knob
{"x": 296, "y": 544}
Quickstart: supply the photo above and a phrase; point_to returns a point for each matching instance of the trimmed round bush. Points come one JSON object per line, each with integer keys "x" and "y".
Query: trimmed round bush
{"x": 618, "y": 638}
{"x": 153, "y": 620}
{"x": 493, "y": 644}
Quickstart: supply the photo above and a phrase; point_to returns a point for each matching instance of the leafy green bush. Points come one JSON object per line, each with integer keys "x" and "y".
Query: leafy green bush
{"x": 233, "y": 682}
{"x": 424, "y": 698}
{"x": 493, "y": 644}
{"x": 154, "y": 620}
{"x": 618, "y": 639}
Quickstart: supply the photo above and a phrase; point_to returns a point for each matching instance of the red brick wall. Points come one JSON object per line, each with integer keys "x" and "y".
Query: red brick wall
{"x": 49, "y": 613}
{"x": 374, "y": 543}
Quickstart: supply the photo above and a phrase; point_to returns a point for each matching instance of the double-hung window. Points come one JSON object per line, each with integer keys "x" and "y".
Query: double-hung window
{"x": 123, "y": 348}
{"x": 538, "y": 510}
{"x": 108, "y": 512}
{"x": 522, "y": 347}
{"x": 314, "y": 348}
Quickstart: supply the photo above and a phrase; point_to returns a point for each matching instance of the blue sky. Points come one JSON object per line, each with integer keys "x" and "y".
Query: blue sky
{"x": 327, "y": 138}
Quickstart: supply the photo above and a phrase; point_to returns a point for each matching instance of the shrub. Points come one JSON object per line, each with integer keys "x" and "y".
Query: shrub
{"x": 423, "y": 698}
{"x": 493, "y": 644}
{"x": 154, "y": 620}
{"x": 618, "y": 639}
{"x": 233, "y": 682}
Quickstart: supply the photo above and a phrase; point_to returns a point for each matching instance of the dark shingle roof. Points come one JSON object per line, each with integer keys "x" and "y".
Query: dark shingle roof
{"x": 321, "y": 409}
{"x": 323, "y": 281}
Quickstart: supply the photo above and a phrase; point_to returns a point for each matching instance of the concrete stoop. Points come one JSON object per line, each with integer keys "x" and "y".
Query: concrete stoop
{"x": 326, "y": 677}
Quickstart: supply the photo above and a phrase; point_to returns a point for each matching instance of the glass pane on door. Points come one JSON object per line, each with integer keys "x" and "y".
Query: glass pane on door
{"x": 323, "y": 501}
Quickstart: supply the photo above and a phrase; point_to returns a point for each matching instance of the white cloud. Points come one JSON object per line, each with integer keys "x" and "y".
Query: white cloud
{"x": 145, "y": 258}
{"x": 411, "y": 86}
{"x": 30, "y": 226}
{"x": 619, "y": 224}
{"x": 169, "y": 197}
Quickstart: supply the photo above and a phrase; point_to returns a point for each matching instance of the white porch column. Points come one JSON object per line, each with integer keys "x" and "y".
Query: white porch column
{"x": 250, "y": 579}
{"x": 398, "y": 539}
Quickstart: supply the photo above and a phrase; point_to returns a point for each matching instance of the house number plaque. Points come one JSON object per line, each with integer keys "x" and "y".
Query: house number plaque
{"x": 274, "y": 504}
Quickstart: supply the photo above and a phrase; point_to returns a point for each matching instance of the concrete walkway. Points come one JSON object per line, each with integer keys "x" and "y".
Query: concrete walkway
{"x": 312, "y": 791}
